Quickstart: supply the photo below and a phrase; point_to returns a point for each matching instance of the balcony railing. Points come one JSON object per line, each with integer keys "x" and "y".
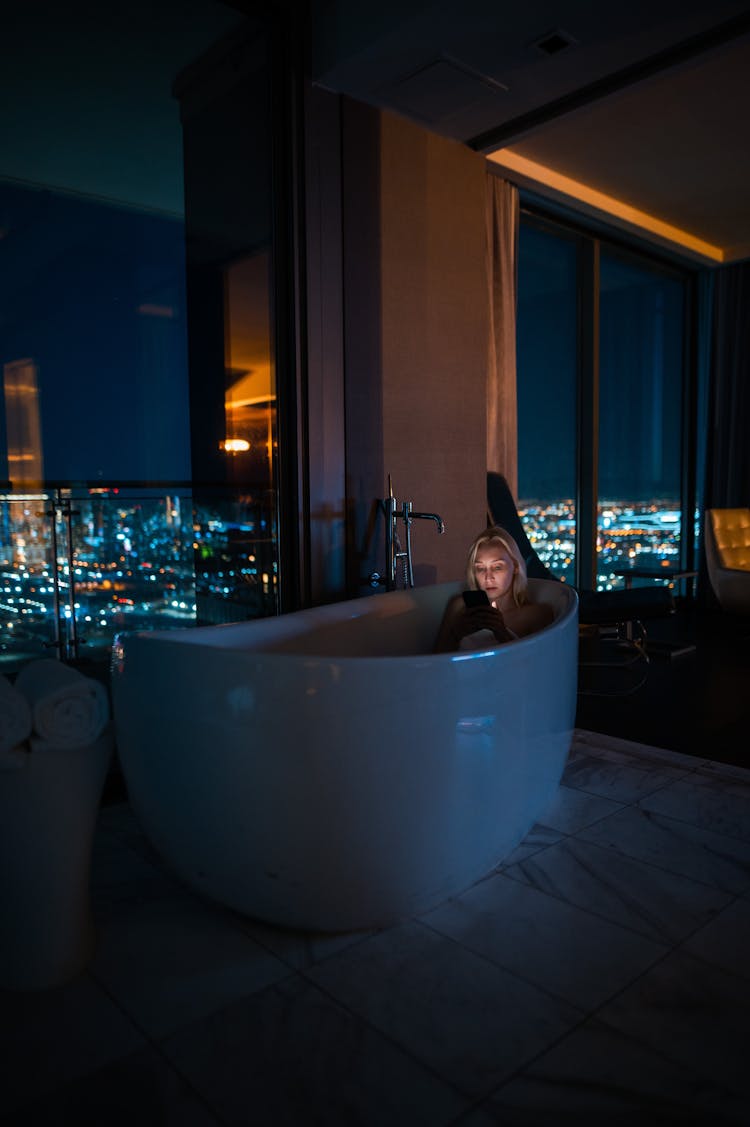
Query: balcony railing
{"x": 78, "y": 566}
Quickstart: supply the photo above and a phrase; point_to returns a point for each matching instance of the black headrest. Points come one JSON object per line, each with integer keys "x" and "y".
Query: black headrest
{"x": 502, "y": 510}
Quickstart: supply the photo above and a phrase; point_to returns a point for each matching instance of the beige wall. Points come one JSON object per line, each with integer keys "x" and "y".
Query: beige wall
{"x": 415, "y": 309}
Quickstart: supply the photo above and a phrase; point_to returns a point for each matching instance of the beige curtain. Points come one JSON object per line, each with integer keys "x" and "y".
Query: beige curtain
{"x": 502, "y": 214}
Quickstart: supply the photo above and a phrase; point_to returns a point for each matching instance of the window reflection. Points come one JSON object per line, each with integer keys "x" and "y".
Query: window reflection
{"x": 232, "y": 366}
{"x": 23, "y": 426}
{"x": 640, "y": 419}
{"x": 108, "y": 517}
{"x": 250, "y": 396}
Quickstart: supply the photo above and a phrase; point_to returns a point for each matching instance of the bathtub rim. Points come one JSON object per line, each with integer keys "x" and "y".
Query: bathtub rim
{"x": 340, "y": 612}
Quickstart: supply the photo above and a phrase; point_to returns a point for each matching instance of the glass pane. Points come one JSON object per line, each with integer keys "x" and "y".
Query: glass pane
{"x": 27, "y": 580}
{"x": 230, "y": 271}
{"x": 96, "y": 328}
{"x": 101, "y": 530}
{"x": 640, "y": 420}
{"x": 132, "y": 564}
{"x": 236, "y": 560}
{"x": 547, "y": 364}
{"x": 92, "y": 284}
{"x": 77, "y": 569}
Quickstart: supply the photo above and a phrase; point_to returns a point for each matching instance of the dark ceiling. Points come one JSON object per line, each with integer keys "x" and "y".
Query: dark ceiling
{"x": 645, "y": 103}
{"x": 86, "y": 95}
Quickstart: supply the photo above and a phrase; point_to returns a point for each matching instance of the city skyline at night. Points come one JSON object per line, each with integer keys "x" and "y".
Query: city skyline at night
{"x": 161, "y": 561}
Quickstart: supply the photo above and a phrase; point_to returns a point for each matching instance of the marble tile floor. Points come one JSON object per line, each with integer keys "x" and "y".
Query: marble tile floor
{"x": 600, "y": 975}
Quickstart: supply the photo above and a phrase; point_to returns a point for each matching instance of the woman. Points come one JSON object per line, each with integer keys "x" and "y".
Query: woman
{"x": 495, "y": 566}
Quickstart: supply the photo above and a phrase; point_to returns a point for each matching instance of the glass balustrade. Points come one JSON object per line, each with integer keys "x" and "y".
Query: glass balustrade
{"x": 79, "y": 566}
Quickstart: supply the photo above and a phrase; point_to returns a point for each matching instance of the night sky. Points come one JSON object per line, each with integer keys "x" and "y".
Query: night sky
{"x": 640, "y": 374}
{"x": 94, "y": 294}
{"x": 91, "y": 232}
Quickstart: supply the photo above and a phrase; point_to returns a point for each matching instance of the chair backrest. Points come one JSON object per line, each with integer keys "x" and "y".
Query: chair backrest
{"x": 727, "y": 543}
{"x": 595, "y": 606}
{"x": 730, "y": 529}
{"x": 502, "y": 510}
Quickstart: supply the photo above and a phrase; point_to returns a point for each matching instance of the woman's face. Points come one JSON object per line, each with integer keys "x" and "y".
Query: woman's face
{"x": 494, "y": 570}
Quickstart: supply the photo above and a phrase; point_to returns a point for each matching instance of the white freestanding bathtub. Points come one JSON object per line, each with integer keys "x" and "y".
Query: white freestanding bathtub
{"x": 325, "y": 770}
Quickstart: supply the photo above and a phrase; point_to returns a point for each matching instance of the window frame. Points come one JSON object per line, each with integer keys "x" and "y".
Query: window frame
{"x": 591, "y": 240}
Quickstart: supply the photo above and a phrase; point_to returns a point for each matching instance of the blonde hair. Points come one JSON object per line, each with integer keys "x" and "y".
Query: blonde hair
{"x": 485, "y": 539}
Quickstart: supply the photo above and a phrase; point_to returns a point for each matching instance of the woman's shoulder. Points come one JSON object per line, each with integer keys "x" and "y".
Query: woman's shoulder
{"x": 529, "y": 617}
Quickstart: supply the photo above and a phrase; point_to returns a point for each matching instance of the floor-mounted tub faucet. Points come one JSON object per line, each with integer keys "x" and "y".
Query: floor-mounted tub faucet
{"x": 430, "y": 516}
{"x": 395, "y": 553}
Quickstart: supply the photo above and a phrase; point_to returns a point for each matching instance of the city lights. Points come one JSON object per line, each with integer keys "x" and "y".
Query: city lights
{"x": 134, "y": 561}
{"x": 643, "y": 533}
{"x": 132, "y": 567}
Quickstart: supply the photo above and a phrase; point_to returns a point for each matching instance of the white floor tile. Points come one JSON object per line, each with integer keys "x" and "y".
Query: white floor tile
{"x": 49, "y": 1037}
{"x": 596, "y": 1075}
{"x": 660, "y": 905}
{"x": 119, "y": 874}
{"x": 471, "y": 1022}
{"x": 720, "y": 805}
{"x": 571, "y": 810}
{"x": 726, "y": 940}
{"x": 140, "y": 1090}
{"x": 412, "y": 1025}
{"x": 291, "y": 1056}
{"x": 675, "y": 846}
{"x": 606, "y": 745}
{"x": 573, "y": 954}
{"x": 724, "y": 771}
{"x": 171, "y": 961}
{"x": 692, "y": 1013}
{"x": 626, "y": 781}
{"x": 538, "y": 838}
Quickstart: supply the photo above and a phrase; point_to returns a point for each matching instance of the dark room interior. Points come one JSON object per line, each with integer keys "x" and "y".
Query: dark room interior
{"x": 288, "y": 288}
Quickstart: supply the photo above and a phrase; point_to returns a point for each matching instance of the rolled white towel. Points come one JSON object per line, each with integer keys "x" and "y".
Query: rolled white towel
{"x": 15, "y": 716}
{"x": 68, "y": 709}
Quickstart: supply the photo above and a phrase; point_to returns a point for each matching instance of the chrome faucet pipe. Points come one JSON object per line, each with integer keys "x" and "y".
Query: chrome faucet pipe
{"x": 394, "y": 553}
{"x": 391, "y": 539}
{"x": 406, "y": 514}
{"x": 430, "y": 516}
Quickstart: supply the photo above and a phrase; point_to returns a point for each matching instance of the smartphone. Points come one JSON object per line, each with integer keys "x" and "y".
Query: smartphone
{"x": 476, "y": 598}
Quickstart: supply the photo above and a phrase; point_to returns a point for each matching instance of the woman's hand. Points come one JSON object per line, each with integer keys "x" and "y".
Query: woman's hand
{"x": 481, "y": 618}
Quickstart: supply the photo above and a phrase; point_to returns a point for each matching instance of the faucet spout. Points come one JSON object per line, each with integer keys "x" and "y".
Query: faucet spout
{"x": 430, "y": 516}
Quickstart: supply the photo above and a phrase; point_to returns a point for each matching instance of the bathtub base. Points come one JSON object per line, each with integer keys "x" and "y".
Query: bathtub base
{"x": 340, "y": 881}
{"x": 326, "y": 771}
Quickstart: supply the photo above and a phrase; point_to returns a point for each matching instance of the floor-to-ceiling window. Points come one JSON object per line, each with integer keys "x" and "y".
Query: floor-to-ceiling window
{"x": 547, "y": 350}
{"x": 602, "y": 404}
{"x": 101, "y": 525}
{"x": 640, "y": 417}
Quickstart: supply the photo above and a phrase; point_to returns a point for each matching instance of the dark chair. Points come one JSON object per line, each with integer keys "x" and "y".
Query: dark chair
{"x": 502, "y": 510}
{"x": 615, "y": 617}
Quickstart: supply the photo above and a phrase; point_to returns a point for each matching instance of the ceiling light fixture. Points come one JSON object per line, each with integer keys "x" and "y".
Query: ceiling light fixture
{"x": 554, "y": 42}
